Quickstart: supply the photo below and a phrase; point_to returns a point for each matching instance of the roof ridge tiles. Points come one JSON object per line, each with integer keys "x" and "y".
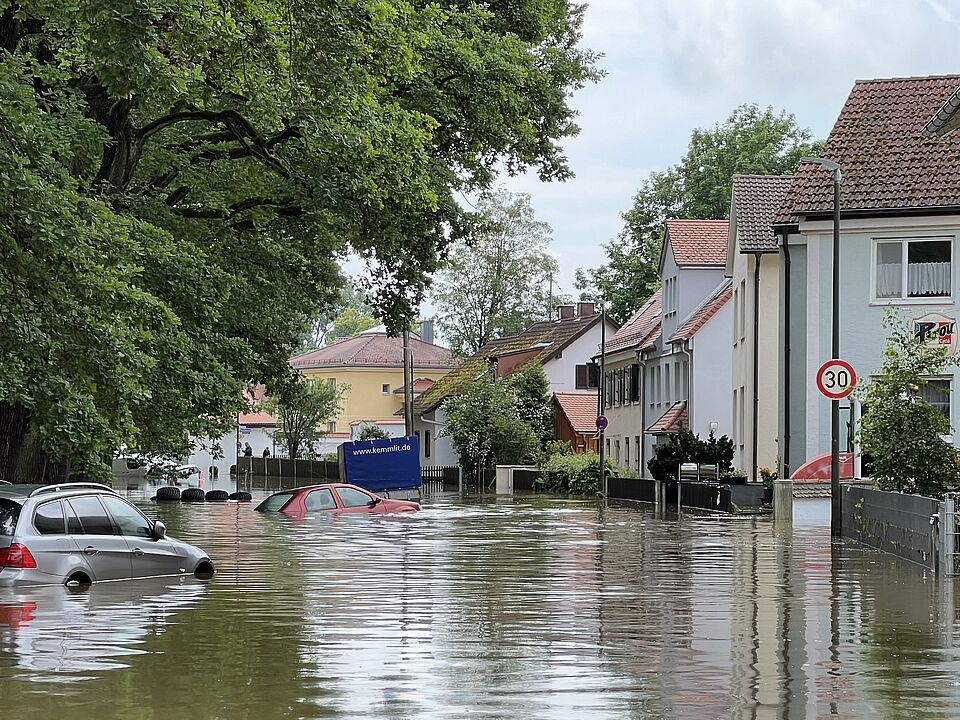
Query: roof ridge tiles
{"x": 907, "y": 78}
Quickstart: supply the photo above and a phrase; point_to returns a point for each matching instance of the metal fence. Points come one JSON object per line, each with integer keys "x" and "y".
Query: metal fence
{"x": 436, "y": 478}
{"x": 908, "y": 526}
{"x": 701, "y": 495}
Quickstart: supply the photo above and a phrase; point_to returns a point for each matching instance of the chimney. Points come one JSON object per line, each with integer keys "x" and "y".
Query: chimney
{"x": 565, "y": 312}
{"x": 586, "y": 309}
{"x": 426, "y": 331}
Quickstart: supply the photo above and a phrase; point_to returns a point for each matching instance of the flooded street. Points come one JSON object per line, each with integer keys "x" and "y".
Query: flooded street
{"x": 509, "y": 608}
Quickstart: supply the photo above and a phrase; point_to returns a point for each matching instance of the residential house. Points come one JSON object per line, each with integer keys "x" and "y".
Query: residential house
{"x": 683, "y": 358}
{"x": 623, "y": 398}
{"x": 370, "y": 365}
{"x": 753, "y": 264}
{"x": 563, "y": 347}
{"x": 899, "y": 229}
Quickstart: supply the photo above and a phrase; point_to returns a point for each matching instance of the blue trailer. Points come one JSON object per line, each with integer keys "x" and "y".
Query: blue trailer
{"x": 388, "y": 466}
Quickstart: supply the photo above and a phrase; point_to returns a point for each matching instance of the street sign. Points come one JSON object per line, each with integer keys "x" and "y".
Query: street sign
{"x": 836, "y": 379}
{"x": 602, "y": 422}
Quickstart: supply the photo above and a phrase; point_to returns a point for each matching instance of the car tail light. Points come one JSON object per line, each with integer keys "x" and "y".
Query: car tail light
{"x": 17, "y": 556}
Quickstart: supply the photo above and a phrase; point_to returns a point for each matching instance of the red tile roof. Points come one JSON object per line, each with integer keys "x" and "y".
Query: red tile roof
{"x": 887, "y": 162}
{"x": 756, "y": 200}
{"x": 672, "y": 419}
{"x": 419, "y": 385}
{"x": 698, "y": 242}
{"x": 375, "y": 349}
{"x": 639, "y": 328}
{"x": 702, "y": 314}
{"x": 390, "y": 421}
{"x": 257, "y": 418}
{"x": 580, "y": 410}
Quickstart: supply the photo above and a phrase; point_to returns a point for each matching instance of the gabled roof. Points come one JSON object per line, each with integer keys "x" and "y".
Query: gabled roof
{"x": 696, "y": 243}
{"x": 580, "y": 409}
{"x": 544, "y": 340}
{"x": 886, "y": 161}
{"x": 753, "y": 208}
{"x": 419, "y": 386}
{"x": 671, "y": 420}
{"x": 641, "y": 325}
{"x": 374, "y": 349}
{"x": 701, "y": 316}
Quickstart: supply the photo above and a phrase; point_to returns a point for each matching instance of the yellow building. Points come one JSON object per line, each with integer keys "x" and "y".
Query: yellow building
{"x": 371, "y": 364}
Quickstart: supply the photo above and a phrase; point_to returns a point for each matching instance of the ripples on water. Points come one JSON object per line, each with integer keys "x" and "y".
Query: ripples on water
{"x": 495, "y": 608}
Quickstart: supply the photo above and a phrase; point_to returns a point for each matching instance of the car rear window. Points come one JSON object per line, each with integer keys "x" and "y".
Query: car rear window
{"x": 9, "y": 514}
{"x": 275, "y": 502}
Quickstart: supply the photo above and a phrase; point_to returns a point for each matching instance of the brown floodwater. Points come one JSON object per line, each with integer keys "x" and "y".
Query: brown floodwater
{"x": 523, "y": 607}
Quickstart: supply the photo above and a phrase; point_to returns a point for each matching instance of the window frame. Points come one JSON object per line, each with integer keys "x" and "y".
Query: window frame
{"x": 875, "y": 242}
{"x": 338, "y": 490}
{"x": 105, "y": 502}
{"x": 63, "y": 519}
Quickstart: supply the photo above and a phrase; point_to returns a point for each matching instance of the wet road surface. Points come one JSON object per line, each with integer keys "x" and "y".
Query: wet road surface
{"x": 496, "y": 608}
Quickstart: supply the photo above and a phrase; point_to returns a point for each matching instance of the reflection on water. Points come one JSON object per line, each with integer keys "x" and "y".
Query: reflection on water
{"x": 501, "y": 608}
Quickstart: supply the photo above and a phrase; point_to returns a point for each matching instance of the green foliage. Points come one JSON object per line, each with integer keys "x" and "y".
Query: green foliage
{"x": 302, "y": 413}
{"x": 685, "y": 447}
{"x": 498, "y": 284}
{"x": 373, "y": 432}
{"x": 180, "y": 179}
{"x": 901, "y": 432}
{"x": 534, "y": 400}
{"x": 557, "y": 447}
{"x": 750, "y": 141}
{"x": 497, "y": 422}
{"x": 768, "y": 475}
{"x": 572, "y": 474}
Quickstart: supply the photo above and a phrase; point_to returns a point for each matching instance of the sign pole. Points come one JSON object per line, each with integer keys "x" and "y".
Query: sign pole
{"x": 603, "y": 401}
{"x": 836, "y": 515}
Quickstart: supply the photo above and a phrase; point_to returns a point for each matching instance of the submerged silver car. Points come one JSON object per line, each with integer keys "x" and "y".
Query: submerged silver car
{"x": 78, "y": 533}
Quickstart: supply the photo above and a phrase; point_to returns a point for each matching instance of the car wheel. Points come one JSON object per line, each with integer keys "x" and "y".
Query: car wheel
{"x": 241, "y": 496}
{"x": 167, "y": 493}
{"x": 204, "y": 570}
{"x": 217, "y": 496}
{"x": 192, "y": 495}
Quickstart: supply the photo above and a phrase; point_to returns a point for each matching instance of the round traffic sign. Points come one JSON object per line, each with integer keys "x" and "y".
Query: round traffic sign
{"x": 836, "y": 379}
{"x": 602, "y": 422}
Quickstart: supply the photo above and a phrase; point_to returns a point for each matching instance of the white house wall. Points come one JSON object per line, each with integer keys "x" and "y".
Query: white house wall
{"x": 709, "y": 395}
{"x": 625, "y": 430}
{"x": 862, "y": 336}
{"x": 562, "y": 371}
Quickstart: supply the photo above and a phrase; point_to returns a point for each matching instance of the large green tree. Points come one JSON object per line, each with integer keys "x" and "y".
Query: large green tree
{"x": 750, "y": 141}
{"x": 180, "y": 178}
{"x": 498, "y": 283}
{"x": 303, "y": 411}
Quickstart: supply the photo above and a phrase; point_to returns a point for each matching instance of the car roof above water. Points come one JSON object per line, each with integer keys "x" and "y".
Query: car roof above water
{"x": 20, "y": 493}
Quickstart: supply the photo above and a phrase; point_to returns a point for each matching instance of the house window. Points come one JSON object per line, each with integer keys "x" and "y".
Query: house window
{"x": 936, "y": 392}
{"x": 385, "y": 388}
{"x": 332, "y": 382}
{"x": 587, "y": 376}
{"x": 666, "y": 384}
{"x": 626, "y": 452}
{"x": 426, "y": 443}
{"x": 332, "y": 426}
{"x": 636, "y": 444}
{"x": 913, "y": 269}
{"x": 741, "y": 319}
{"x": 635, "y": 382}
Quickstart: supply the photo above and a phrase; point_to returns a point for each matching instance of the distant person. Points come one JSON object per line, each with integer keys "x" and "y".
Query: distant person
{"x": 266, "y": 452}
{"x": 247, "y": 450}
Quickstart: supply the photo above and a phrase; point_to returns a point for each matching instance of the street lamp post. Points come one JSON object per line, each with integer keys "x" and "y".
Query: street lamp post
{"x": 601, "y": 394}
{"x": 836, "y": 518}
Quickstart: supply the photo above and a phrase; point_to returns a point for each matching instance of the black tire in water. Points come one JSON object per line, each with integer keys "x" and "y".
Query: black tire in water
{"x": 168, "y": 494}
{"x": 217, "y": 496}
{"x": 192, "y": 495}
{"x": 241, "y": 496}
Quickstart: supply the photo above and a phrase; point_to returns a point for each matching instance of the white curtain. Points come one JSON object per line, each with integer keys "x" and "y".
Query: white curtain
{"x": 888, "y": 280}
{"x": 927, "y": 279}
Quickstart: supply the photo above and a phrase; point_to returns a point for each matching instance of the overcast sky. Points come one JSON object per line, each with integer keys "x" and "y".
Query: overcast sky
{"x": 674, "y": 65}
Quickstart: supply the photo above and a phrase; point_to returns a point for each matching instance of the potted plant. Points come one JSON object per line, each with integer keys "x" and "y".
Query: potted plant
{"x": 767, "y": 476}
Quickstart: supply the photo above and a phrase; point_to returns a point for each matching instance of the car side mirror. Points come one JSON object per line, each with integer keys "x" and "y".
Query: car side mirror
{"x": 159, "y": 530}
{"x": 376, "y": 501}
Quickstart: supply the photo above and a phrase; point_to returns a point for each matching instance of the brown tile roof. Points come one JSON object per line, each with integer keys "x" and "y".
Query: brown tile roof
{"x": 698, "y": 242}
{"x": 947, "y": 118}
{"x": 374, "y": 349}
{"x": 580, "y": 410}
{"x": 672, "y": 419}
{"x": 756, "y": 200}
{"x": 548, "y": 338}
{"x": 886, "y": 161}
{"x": 641, "y": 325}
{"x": 702, "y": 314}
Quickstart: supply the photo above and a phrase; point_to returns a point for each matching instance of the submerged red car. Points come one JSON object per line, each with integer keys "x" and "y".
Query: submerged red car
{"x": 333, "y": 497}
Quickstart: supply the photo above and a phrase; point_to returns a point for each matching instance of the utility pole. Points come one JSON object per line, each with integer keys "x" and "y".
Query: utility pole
{"x": 602, "y": 393}
{"x": 407, "y": 385}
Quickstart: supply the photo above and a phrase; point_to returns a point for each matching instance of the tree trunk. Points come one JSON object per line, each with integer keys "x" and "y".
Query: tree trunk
{"x": 14, "y": 428}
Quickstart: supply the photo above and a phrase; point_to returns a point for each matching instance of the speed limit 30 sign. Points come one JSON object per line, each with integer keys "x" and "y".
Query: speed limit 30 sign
{"x": 836, "y": 379}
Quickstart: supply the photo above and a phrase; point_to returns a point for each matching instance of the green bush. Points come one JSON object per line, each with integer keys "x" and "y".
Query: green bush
{"x": 572, "y": 474}
{"x": 684, "y": 447}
